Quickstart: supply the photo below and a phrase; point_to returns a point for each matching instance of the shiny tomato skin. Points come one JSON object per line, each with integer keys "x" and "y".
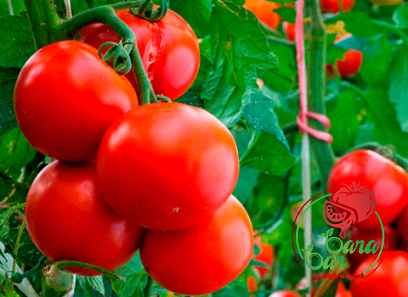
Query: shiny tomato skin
{"x": 65, "y": 99}
{"x": 266, "y": 255}
{"x": 68, "y": 219}
{"x": 355, "y": 259}
{"x": 332, "y": 6}
{"x": 290, "y": 31}
{"x": 388, "y": 182}
{"x": 167, "y": 166}
{"x": 284, "y": 293}
{"x": 169, "y": 50}
{"x": 263, "y": 10}
{"x": 390, "y": 278}
{"x": 204, "y": 258}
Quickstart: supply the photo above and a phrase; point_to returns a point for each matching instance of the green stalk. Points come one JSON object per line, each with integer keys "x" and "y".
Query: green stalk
{"x": 20, "y": 232}
{"x": 148, "y": 288}
{"x": 316, "y": 70}
{"x": 49, "y": 271}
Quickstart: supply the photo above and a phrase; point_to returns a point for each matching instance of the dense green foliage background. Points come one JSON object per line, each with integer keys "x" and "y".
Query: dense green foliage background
{"x": 236, "y": 51}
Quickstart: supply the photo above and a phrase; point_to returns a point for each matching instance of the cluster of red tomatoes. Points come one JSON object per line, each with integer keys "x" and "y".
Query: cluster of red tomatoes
{"x": 389, "y": 183}
{"x": 352, "y": 60}
{"x": 156, "y": 176}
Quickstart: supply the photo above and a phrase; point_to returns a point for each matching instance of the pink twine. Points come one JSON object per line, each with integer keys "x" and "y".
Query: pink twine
{"x": 300, "y": 57}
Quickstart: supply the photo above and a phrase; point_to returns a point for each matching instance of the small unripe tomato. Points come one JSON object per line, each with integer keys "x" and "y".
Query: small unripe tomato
{"x": 204, "y": 258}
{"x": 332, "y": 6}
{"x": 68, "y": 219}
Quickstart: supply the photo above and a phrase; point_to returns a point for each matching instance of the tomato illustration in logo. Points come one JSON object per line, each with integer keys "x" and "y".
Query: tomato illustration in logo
{"x": 350, "y": 204}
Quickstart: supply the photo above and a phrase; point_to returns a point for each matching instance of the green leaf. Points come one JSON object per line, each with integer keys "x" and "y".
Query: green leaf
{"x": 16, "y": 41}
{"x": 400, "y": 16}
{"x": 192, "y": 96}
{"x": 359, "y": 24}
{"x": 268, "y": 150}
{"x": 136, "y": 278}
{"x": 398, "y": 82}
{"x": 92, "y": 282}
{"x": 7, "y": 119}
{"x": 247, "y": 180}
{"x": 239, "y": 48}
{"x": 344, "y": 128}
{"x": 7, "y": 74}
{"x": 283, "y": 77}
{"x": 382, "y": 125}
{"x": 377, "y": 58}
{"x": 287, "y": 13}
{"x": 15, "y": 153}
{"x": 197, "y": 13}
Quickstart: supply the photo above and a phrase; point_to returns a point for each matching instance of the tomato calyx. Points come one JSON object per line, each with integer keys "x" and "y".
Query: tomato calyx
{"x": 145, "y": 11}
{"x": 117, "y": 56}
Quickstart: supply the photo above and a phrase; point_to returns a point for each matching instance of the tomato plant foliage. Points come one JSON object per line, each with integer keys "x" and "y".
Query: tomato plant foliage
{"x": 248, "y": 80}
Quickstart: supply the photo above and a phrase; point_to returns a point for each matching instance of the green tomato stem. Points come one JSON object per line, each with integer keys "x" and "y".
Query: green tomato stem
{"x": 20, "y": 232}
{"x": 148, "y": 288}
{"x": 49, "y": 270}
{"x": 316, "y": 69}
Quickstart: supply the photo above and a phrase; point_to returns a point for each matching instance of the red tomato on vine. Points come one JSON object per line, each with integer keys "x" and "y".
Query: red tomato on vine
{"x": 290, "y": 31}
{"x": 216, "y": 252}
{"x": 168, "y": 48}
{"x": 389, "y": 279}
{"x": 355, "y": 259}
{"x": 388, "y": 182}
{"x": 266, "y": 256}
{"x": 350, "y": 64}
{"x": 167, "y": 166}
{"x": 332, "y": 6}
{"x": 68, "y": 219}
{"x": 65, "y": 99}
{"x": 263, "y": 10}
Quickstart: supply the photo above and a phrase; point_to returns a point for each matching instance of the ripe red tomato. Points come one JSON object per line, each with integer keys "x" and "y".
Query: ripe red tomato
{"x": 251, "y": 283}
{"x": 169, "y": 50}
{"x": 68, "y": 219}
{"x": 290, "y": 31}
{"x": 388, "y": 182}
{"x": 266, "y": 255}
{"x": 65, "y": 99}
{"x": 263, "y": 10}
{"x": 351, "y": 62}
{"x": 204, "y": 258}
{"x": 390, "y": 278}
{"x": 344, "y": 294}
{"x": 356, "y": 258}
{"x": 167, "y": 166}
{"x": 332, "y": 6}
{"x": 402, "y": 225}
{"x": 284, "y": 293}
